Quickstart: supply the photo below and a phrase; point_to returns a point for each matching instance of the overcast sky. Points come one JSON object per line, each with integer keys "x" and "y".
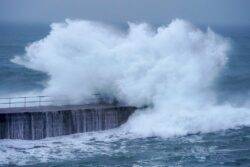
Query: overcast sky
{"x": 207, "y": 12}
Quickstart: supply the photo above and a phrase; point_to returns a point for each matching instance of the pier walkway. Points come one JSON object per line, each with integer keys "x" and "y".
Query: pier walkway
{"x": 44, "y": 104}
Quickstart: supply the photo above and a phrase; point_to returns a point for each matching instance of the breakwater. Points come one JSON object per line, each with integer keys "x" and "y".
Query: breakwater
{"x": 32, "y": 123}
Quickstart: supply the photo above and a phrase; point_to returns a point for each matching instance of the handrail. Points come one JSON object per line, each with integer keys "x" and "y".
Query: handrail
{"x": 25, "y": 101}
{"x": 42, "y": 100}
{"x": 22, "y": 97}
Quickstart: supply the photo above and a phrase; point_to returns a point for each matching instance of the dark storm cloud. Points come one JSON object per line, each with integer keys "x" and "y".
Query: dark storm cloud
{"x": 220, "y": 12}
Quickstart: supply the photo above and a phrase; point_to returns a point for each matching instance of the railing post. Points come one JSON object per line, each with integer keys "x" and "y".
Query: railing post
{"x": 25, "y": 101}
{"x": 9, "y": 102}
{"x": 39, "y": 101}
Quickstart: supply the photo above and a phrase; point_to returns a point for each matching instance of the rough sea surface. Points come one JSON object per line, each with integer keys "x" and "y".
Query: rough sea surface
{"x": 229, "y": 147}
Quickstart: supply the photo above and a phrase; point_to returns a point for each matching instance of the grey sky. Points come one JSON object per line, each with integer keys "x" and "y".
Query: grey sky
{"x": 217, "y": 12}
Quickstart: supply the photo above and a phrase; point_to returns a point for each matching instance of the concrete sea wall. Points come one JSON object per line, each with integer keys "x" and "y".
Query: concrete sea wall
{"x": 39, "y": 124}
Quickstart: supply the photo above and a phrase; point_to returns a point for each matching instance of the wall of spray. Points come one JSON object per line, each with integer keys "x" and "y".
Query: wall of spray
{"x": 171, "y": 68}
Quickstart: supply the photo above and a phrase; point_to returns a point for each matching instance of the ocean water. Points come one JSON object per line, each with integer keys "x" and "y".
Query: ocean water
{"x": 186, "y": 145}
{"x": 14, "y": 39}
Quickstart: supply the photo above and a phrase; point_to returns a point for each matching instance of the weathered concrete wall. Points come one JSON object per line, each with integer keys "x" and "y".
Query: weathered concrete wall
{"x": 37, "y": 125}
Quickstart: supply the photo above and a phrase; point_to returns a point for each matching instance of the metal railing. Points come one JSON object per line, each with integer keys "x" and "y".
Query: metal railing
{"x": 25, "y": 101}
{"x": 38, "y": 101}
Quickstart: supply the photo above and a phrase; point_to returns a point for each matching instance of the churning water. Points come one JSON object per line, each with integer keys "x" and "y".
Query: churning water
{"x": 194, "y": 81}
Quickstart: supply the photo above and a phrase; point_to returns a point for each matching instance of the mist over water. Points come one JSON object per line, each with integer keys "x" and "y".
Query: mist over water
{"x": 171, "y": 69}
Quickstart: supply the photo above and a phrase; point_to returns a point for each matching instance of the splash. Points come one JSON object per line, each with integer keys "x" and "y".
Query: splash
{"x": 172, "y": 69}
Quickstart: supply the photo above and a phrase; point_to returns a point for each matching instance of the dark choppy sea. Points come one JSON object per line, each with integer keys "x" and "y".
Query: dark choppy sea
{"x": 223, "y": 148}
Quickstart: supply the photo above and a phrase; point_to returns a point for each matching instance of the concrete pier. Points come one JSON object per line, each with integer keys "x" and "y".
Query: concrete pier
{"x": 32, "y": 123}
